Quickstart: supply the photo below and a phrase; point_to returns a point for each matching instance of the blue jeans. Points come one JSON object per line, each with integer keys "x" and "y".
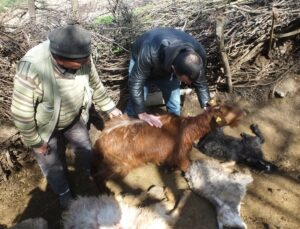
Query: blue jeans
{"x": 170, "y": 89}
{"x": 53, "y": 164}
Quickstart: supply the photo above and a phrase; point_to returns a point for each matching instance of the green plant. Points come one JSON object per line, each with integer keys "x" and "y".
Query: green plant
{"x": 116, "y": 50}
{"x": 143, "y": 9}
{"x": 103, "y": 20}
{"x": 4, "y": 4}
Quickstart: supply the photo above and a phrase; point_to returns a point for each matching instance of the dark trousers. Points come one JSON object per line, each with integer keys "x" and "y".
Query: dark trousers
{"x": 53, "y": 164}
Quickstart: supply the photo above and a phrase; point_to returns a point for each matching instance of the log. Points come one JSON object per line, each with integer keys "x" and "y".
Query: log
{"x": 220, "y": 35}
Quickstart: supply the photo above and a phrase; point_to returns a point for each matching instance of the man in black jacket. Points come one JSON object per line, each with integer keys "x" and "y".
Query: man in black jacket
{"x": 164, "y": 57}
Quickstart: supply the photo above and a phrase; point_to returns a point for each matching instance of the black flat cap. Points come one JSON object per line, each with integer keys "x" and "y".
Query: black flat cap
{"x": 71, "y": 41}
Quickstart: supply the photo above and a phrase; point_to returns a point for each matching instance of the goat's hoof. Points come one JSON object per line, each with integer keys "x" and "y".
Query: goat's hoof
{"x": 169, "y": 195}
{"x": 253, "y": 126}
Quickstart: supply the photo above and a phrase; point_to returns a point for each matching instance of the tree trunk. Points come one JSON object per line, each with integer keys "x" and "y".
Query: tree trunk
{"x": 220, "y": 37}
{"x": 31, "y": 10}
{"x": 75, "y": 9}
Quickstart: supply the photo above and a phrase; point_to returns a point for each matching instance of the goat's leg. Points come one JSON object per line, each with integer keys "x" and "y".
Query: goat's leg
{"x": 220, "y": 225}
{"x": 167, "y": 168}
{"x": 184, "y": 164}
{"x": 181, "y": 158}
{"x": 261, "y": 164}
{"x": 121, "y": 170}
{"x": 100, "y": 178}
{"x": 246, "y": 137}
{"x": 254, "y": 128}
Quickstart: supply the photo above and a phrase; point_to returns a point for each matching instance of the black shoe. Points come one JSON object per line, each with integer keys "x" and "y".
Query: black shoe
{"x": 65, "y": 199}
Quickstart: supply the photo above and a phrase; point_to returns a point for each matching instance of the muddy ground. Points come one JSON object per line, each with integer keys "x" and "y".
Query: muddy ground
{"x": 272, "y": 200}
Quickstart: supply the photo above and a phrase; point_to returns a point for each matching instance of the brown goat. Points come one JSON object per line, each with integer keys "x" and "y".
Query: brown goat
{"x": 127, "y": 143}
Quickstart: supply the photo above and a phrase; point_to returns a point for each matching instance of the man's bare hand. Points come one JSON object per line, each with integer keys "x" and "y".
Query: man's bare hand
{"x": 115, "y": 113}
{"x": 152, "y": 120}
{"x": 41, "y": 150}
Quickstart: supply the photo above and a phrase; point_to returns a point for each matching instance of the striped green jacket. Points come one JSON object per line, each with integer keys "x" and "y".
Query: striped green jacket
{"x": 46, "y": 97}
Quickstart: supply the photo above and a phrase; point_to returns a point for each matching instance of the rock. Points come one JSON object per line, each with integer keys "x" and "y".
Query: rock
{"x": 287, "y": 87}
{"x": 279, "y": 94}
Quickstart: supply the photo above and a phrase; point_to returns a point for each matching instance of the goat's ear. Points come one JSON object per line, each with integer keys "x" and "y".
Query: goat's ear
{"x": 226, "y": 115}
{"x": 233, "y": 117}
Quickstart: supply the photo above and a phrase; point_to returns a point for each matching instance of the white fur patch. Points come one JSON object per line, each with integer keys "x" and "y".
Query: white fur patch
{"x": 222, "y": 187}
{"x": 122, "y": 123}
{"x": 106, "y": 212}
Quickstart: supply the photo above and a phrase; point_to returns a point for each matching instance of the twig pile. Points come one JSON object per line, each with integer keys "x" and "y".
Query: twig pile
{"x": 247, "y": 34}
{"x": 248, "y": 37}
{"x": 13, "y": 156}
{"x": 254, "y": 57}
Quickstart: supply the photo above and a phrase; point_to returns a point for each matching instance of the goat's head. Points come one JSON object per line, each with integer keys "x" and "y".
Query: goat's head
{"x": 226, "y": 114}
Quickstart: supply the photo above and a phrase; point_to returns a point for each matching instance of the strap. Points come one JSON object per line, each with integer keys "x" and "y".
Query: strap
{"x": 40, "y": 57}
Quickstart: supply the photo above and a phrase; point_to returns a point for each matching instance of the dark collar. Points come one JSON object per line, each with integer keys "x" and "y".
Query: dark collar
{"x": 60, "y": 69}
{"x": 170, "y": 52}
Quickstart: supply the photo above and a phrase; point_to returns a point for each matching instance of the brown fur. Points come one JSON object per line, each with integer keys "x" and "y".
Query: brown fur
{"x": 127, "y": 146}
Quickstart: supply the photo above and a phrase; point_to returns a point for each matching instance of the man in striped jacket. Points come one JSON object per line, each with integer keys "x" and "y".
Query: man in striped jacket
{"x": 55, "y": 84}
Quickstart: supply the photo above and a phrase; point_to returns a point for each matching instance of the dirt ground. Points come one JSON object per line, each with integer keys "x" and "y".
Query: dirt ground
{"x": 272, "y": 200}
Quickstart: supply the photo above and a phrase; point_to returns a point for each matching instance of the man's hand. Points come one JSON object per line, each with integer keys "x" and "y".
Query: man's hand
{"x": 115, "y": 113}
{"x": 41, "y": 150}
{"x": 152, "y": 120}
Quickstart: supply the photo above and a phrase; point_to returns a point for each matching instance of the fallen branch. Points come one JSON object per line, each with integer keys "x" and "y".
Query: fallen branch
{"x": 112, "y": 41}
{"x": 289, "y": 34}
{"x": 248, "y": 56}
{"x": 272, "y": 32}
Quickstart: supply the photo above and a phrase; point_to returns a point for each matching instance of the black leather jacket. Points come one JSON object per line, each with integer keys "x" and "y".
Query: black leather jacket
{"x": 154, "y": 53}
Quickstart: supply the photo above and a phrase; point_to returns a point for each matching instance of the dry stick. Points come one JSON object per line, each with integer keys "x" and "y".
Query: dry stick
{"x": 9, "y": 138}
{"x": 220, "y": 35}
{"x": 248, "y": 56}
{"x": 2, "y": 173}
{"x": 13, "y": 41}
{"x": 271, "y": 33}
{"x": 251, "y": 11}
{"x": 184, "y": 26}
{"x": 110, "y": 40}
{"x": 279, "y": 79}
{"x": 289, "y": 34}
{"x": 113, "y": 69}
